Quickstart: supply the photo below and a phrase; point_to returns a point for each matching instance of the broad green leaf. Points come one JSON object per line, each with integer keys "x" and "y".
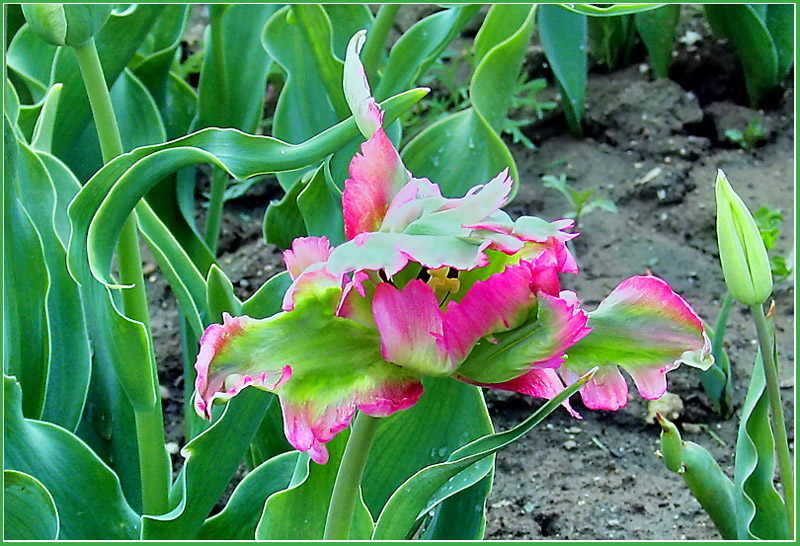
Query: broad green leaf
{"x": 68, "y": 366}
{"x": 449, "y": 521}
{"x": 303, "y": 108}
{"x": 779, "y": 22}
{"x": 239, "y": 518}
{"x": 153, "y": 65}
{"x": 43, "y": 130}
{"x": 269, "y": 440}
{"x": 10, "y": 102}
{"x": 753, "y": 43}
{"x": 25, "y": 333}
{"x": 607, "y": 10}
{"x": 219, "y": 296}
{"x": 15, "y": 19}
{"x": 419, "y": 47}
{"x": 139, "y": 123}
{"x": 448, "y": 415}
{"x": 761, "y": 512}
{"x": 299, "y": 512}
{"x": 657, "y": 29}
{"x": 283, "y": 221}
{"x": 564, "y": 34}
{"x": 465, "y": 149}
{"x": 31, "y": 58}
{"x": 267, "y": 299}
{"x": 211, "y": 461}
{"x": 117, "y": 42}
{"x": 29, "y": 512}
{"x": 86, "y": 492}
{"x": 320, "y": 204}
{"x": 418, "y": 494}
{"x": 235, "y": 98}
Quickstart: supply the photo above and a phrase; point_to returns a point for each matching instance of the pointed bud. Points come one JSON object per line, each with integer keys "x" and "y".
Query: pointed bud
{"x": 66, "y": 24}
{"x": 671, "y": 444}
{"x": 745, "y": 263}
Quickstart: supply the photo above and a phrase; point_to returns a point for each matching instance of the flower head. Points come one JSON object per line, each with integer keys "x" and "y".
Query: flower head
{"x": 428, "y": 285}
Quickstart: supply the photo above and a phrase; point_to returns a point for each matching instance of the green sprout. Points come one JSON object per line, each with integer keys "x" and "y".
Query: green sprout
{"x": 769, "y": 222}
{"x": 579, "y": 203}
{"x": 754, "y": 134}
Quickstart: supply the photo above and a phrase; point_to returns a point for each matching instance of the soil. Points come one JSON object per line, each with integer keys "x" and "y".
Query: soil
{"x": 653, "y": 147}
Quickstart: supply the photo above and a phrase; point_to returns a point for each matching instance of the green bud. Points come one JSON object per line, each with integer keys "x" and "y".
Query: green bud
{"x": 66, "y": 24}
{"x": 745, "y": 263}
{"x": 671, "y": 444}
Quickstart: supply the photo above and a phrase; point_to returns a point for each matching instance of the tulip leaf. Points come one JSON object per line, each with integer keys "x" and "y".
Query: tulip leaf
{"x": 419, "y": 47}
{"x": 29, "y": 510}
{"x": 228, "y": 99}
{"x": 657, "y": 29}
{"x": 219, "y": 295}
{"x": 463, "y": 468}
{"x": 450, "y": 521}
{"x": 749, "y": 34}
{"x": 299, "y": 512}
{"x": 296, "y": 118}
{"x": 283, "y": 221}
{"x": 761, "y": 512}
{"x": 42, "y": 137}
{"x": 320, "y": 204}
{"x": 779, "y": 23}
{"x": 239, "y": 518}
{"x": 86, "y": 492}
{"x": 564, "y": 35}
{"x": 117, "y": 43}
{"x": 212, "y": 458}
{"x": 465, "y": 149}
{"x": 609, "y": 10}
{"x": 68, "y": 366}
{"x": 30, "y": 58}
{"x": 267, "y": 299}
{"x": 25, "y": 331}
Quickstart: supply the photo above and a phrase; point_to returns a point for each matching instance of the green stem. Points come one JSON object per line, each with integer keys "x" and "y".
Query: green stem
{"x": 149, "y": 424}
{"x": 219, "y": 183}
{"x": 376, "y": 39}
{"x": 721, "y": 325}
{"x": 348, "y": 480}
{"x": 781, "y": 443}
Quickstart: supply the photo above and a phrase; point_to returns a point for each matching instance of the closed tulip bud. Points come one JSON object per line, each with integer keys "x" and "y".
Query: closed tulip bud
{"x": 741, "y": 250}
{"x": 66, "y": 24}
{"x": 671, "y": 445}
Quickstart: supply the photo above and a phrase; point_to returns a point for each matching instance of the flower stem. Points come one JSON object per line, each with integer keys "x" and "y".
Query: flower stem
{"x": 771, "y": 373}
{"x": 348, "y": 480}
{"x": 149, "y": 422}
{"x": 219, "y": 183}
{"x": 376, "y": 39}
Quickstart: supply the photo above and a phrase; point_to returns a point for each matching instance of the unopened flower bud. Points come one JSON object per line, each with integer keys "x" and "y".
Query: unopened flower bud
{"x": 745, "y": 263}
{"x": 671, "y": 444}
{"x": 66, "y": 24}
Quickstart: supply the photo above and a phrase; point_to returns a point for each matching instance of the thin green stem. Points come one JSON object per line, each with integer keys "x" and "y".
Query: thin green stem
{"x": 219, "y": 183}
{"x": 376, "y": 40}
{"x": 149, "y": 423}
{"x": 216, "y": 14}
{"x": 348, "y": 480}
{"x": 781, "y": 443}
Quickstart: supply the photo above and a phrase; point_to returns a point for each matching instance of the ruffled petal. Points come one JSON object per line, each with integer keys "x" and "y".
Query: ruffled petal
{"x": 497, "y": 304}
{"x": 540, "y": 342}
{"x": 306, "y": 251}
{"x": 356, "y": 88}
{"x": 544, "y": 383}
{"x": 646, "y": 329}
{"x": 376, "y": 175}
{"x": 411, "y": 327}
{"x": 322, "y": 368}
{"x": 607, "y": 390}
{"x": 317, "y": 283}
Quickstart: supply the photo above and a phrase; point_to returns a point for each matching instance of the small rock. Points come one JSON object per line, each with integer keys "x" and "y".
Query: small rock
{"x": 691, "y": 428}
{"x": 569, "y": 445}
{"x": 670, "y": 406}
{"x": 148, "y": 268}
{"x": 172, "y": 448}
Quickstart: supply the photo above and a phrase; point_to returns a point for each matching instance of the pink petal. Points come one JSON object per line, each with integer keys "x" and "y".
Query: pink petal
{"x": 606, "y": 390}
{"x": 650, "y": 382}
{"x": 376, "y": 176}
{"x": 314, "y": 281}
{"x": 306, "y": 251}
{"x": 212, "y": 342}
{"x": 497, "y": 304}
{"x": 410, "y": 324}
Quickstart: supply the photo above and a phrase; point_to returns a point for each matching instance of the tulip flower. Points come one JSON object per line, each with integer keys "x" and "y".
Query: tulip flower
{"x": 66, "y": 24}
{"x": 745, "y": 263}
{"x": 444, "y": 287}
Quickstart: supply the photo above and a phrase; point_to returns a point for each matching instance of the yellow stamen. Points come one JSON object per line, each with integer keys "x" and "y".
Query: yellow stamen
{"x": 440, "y": 281}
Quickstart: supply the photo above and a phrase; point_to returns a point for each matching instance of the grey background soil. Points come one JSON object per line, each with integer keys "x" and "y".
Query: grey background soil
{"x": 653, "y": 147}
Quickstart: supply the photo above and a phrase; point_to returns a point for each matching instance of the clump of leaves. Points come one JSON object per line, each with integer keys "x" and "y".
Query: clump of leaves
{"x": 525, "y": 98}
{"x": 769, "y": 222}
{"x": 579, "y": 202}
{"x": 754, "y": 134}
